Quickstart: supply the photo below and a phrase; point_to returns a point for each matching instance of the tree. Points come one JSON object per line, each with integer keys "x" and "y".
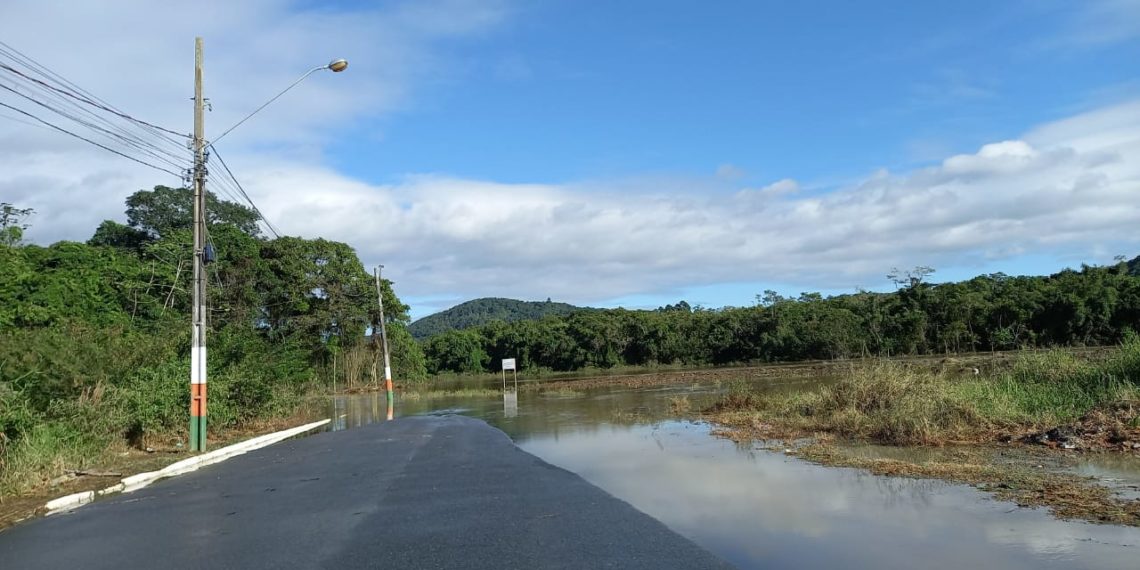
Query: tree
{"x": 164, "y": 209}
{"x": 12, "y": 224}
{"x": 911, "y": 278}
{"x": 113, "y": 234}
{"x": 456, "y": 351}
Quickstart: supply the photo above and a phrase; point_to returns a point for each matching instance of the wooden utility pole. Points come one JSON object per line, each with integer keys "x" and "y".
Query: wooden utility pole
{"x": 384, "y": 341}
{"x": 198, "y": 314}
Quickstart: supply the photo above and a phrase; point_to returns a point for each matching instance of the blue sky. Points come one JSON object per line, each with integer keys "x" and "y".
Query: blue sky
{"x": 811, "y": 91}
{"x": 637, "y": 153}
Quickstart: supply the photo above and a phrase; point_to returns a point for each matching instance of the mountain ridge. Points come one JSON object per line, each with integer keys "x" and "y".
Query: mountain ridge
{"x": 485, "y": 310}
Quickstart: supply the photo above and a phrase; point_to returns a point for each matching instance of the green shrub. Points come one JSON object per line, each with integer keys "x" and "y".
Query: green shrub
{"x": 155, "y": 399}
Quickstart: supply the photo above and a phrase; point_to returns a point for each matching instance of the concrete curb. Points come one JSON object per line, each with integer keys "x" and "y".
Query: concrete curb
{"x": 136, "y": 482}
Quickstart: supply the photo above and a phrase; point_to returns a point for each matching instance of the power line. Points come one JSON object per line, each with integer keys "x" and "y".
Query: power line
{"x": 85, "y": 139}
{"x": 43, "y": 71}
{"x": 23, "y": 122}
{"x": 88, "y": 101}
{"x": 243, "y": 192}
{"x": 69, "y": 95}
{"x": 123, "y": 139}
{"x": 120, "y": 131}
{"x": 142, "y": 141}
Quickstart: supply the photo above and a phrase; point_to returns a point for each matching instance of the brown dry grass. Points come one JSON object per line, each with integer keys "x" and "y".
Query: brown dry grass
{"x": 1067, "y": 496}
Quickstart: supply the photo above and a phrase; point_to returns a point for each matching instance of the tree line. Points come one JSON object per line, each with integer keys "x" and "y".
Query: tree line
{"x": 1096, "y": 305}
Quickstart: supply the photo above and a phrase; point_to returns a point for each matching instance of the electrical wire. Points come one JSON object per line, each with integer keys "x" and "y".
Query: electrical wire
{"x": 85, "y": 139}
{"x": 15, "y": 55}
{"x": 149, "y": 138}
{"x": 72, "y": 102}
{"x": 23, "y": 122}
{"x": 82, "y": 99}
{"x": 256, "y": 210}
{"x": 142, "y": 147}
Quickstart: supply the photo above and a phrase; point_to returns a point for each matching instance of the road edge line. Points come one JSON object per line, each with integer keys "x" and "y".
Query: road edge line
{"x": 141, "y": 480}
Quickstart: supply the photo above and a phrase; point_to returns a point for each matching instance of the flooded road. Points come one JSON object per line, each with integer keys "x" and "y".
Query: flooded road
{"x": 764, "y": 509}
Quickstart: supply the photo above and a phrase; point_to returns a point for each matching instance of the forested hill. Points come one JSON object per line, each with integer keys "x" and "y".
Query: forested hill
{"x": 488, "y": 309}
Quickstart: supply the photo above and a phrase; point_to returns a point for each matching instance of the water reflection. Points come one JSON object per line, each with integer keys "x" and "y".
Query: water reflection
{"x": 510, "y": 404}
{"x": 758, "y": 508}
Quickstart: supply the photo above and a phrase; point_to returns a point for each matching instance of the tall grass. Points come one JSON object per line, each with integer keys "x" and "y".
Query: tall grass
{"x": 72, "y": 397}
{"x": 889, "y": 402}
{"x": 1056, "y": 387}
{"x": 894, "y": 403}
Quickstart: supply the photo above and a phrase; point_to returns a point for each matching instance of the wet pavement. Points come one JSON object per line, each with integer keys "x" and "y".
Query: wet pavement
{"x": 762, "y": 509}
{"x": 428, "y": 492}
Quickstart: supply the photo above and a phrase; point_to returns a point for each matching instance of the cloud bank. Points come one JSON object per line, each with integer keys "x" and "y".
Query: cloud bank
{"x": 1068, "y": 189}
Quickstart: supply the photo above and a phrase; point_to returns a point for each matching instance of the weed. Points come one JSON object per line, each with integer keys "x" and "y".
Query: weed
{"x": 894, "y": 403}
{"x": 679, "y": 404}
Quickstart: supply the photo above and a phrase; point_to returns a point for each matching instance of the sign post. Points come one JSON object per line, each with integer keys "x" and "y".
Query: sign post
{"x": 510, "y": 399}
{"x": 509, "y": 364}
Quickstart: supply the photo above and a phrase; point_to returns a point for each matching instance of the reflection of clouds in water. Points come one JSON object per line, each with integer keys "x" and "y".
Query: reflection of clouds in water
{"x": 761, "y": 508}
{"x": 1041, "y": 539}
{"x": 1060, "y": 540}
{"x": 757, "y": 508}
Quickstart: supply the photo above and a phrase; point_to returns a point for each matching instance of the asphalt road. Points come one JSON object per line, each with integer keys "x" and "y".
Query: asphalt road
{"x": 422, "y": 492}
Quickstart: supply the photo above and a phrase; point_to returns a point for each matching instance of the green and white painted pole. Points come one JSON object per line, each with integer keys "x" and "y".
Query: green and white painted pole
{"x": 384, "y": 341}
{"x": 198, "y": 316}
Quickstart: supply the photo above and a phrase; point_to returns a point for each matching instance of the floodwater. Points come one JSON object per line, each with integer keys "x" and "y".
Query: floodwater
{"x": 759, "y": 508}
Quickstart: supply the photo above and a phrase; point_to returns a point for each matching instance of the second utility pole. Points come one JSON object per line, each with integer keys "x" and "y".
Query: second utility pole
{"x": 198, "y": 314}
{"x": 384, "y": 338}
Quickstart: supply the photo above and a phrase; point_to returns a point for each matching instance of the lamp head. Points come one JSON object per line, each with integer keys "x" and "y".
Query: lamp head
{"x": 338, "y": 65}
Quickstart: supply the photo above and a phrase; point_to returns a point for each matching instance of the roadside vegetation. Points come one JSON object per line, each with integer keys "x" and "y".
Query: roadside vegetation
{"x": 1095, "y": 400}
{"x": 94, "y": 337}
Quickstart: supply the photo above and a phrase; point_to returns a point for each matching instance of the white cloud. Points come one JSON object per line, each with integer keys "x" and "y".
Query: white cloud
{"x": 139, "y": 55}
{"x": 441, "y": 235}
{"x": 1067, "y": 187}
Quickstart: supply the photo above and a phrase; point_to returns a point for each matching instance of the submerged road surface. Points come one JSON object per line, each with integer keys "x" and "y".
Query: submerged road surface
{"x": 421, "y": 492}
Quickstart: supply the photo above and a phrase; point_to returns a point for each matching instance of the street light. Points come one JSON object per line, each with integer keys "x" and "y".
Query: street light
{"x": 336, "y": 66}
{"x": 198, "y": 312}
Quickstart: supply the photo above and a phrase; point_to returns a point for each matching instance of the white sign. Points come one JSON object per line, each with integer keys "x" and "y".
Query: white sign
{"x": 508, "y": 364}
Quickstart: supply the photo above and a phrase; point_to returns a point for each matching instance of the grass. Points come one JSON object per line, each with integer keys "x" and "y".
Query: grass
{"x": 679, "y": 404}
{"x": 1056, "y": 387}
{"x": 895, "y": 403}
{"x": 900, "y": 404}
{"x": 563, "y": 392}
{"x": 457, "y": 393}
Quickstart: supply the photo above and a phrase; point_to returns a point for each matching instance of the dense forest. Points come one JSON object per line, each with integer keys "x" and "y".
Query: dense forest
{"x": 482, "y": 311}
{"x": 1092, "y": 306}
{"x": 94, "y": 337}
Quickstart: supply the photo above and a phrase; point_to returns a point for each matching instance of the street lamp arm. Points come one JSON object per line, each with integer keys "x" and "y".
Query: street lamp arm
{"x": 336, "y": 66}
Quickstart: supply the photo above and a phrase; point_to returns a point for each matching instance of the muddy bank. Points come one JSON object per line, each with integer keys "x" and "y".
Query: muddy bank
{"x": 1029, "y": 477}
